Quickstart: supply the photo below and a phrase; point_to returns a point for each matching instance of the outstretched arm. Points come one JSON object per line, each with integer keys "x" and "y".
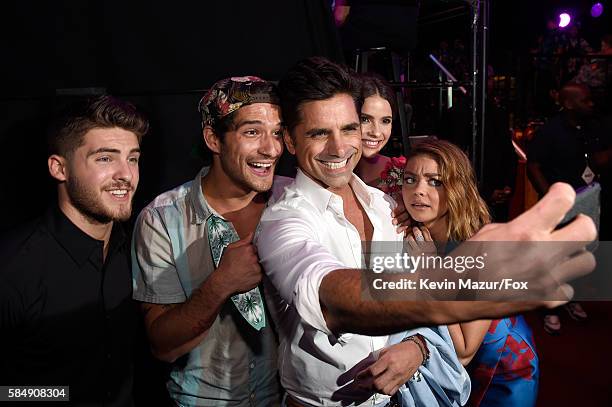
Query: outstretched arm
{"x": 345, "y": 311}
{"x": 329, "y": 298}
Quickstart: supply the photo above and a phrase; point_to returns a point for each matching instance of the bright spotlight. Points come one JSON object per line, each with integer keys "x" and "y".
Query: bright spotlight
{"x": 564, "y": 20}
{"x": 597, "y": 10}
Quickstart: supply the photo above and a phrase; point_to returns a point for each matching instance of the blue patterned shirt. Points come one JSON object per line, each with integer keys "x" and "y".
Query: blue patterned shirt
{"x": 234, "y": 365}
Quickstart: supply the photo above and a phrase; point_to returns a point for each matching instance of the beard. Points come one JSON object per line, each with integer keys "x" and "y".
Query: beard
{"x": 89, "y": 203}
{"x": 246, "y": 181}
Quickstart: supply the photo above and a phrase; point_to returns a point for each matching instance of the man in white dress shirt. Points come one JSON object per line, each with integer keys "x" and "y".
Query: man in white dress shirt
{"x": 310, "y": 248}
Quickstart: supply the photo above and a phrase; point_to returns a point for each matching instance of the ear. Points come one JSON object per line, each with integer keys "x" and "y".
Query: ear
{"x": 289, "y": 142}
{"x": 212, "y": 140}
{"x": 57, "y": 167}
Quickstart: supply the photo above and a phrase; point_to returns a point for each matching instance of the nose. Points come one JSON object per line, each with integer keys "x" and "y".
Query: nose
{"x": 336, "y": 146}
{"x": 270, "y": 146}
{"x": 420, "y": 187}
{"x": 374, "y": 130}
{"x": 126, "y": 172}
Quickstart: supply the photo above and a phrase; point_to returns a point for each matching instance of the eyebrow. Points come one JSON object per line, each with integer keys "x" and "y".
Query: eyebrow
{"x": 427, "y": 174}
{"x": 350, "y": 126}
{"x": 111, "y": 150}
{"x": 322, "y": 130}
{"x": 252, "y": 122}
{"x": 319, "y": 130}
{"x": 371, "y": 117}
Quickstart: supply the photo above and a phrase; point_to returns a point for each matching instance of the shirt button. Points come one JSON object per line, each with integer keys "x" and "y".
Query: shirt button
{"x": 252, "y": 396}
{"x": 252, "y": 365}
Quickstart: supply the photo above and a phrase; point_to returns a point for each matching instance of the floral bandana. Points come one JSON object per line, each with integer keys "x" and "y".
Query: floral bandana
{"x": 228, "y": 95}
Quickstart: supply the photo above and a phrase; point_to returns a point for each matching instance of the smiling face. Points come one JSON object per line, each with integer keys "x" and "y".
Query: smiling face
{"x": 102, "y": 175}
{"x": 376, "y": 123}
{"x": 248, "y": 153}
{"x": 327, "y": 141}
{"x": 423, "y": 192}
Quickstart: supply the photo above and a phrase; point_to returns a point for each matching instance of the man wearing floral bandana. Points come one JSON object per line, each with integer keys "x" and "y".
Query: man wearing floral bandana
{"x": 195, "y": 270}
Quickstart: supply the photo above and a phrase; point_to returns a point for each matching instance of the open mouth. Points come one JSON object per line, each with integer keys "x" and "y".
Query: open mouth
{"x": 119, "y": 194}
{"x": 371, "y": 143}
{"x": 261, "y": 168}
{"x": 334, "y": 165}
{"x": 420, "y": 206}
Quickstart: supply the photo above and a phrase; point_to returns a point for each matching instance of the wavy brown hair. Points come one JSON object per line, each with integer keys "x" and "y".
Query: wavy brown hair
{"x": 68, "y": 130}
{"x": 467, "y": 211}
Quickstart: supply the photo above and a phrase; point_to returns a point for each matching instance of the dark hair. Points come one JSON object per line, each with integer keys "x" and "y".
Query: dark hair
{"x": 219, "y": 127}
{"x": 314, "y": 79}
{"x": 374, "y": 84}
{"x": 224, "y": 124}
{"x": 66, "y": 133}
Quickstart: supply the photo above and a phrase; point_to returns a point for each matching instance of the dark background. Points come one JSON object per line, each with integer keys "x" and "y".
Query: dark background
{"x": 158, "y": 55}
{"x": 162, "y": 56}
{"x": 514, "y": 26}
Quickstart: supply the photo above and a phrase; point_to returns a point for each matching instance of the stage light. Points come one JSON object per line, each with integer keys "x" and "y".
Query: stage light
{"x": 564, "y": 20}
{"x": 597, "y": 10}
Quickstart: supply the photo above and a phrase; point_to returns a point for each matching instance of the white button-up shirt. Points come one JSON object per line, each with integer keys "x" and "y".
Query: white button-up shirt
{"x": 303, "y": 237}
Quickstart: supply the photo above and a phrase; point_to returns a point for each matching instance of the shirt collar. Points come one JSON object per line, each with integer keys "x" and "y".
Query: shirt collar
{"x": 322, "y": 197}
{"x": 201, "y": 209}
{"x": 79, "y": 245}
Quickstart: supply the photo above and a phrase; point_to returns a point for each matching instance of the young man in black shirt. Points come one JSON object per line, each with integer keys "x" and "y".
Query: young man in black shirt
{"x": 66, "y": 315}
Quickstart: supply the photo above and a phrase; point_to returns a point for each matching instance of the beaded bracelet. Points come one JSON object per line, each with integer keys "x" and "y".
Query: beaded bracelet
{"x": 418, "y": 340}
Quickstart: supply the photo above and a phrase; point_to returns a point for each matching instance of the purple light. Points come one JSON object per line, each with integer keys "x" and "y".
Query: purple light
{"x": 564, "y": 20}
{"x": 596, "y": 10}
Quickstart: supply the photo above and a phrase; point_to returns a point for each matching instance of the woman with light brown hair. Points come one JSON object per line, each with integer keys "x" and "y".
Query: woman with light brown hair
{"x": 440, "y": 194}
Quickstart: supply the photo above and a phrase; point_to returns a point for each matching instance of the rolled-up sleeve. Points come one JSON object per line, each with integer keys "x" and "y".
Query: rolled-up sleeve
{"x": 295, "y": 262}
{"x": 154, "y": 275}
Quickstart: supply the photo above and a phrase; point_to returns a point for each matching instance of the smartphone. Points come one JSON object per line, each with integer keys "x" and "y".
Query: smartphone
{"x": 587, "y": 202}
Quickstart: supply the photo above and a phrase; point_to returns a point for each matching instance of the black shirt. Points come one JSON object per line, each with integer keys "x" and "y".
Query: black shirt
{"x": 560, "y": 150}
{"x": 66, "y": 315}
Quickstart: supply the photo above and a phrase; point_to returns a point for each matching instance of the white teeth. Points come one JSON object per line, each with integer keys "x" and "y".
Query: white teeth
{"x": 119, "y": 192}
{"x": 261, "y": 165}
{"x": 334, "y": 166}
{"x": 371, "y": 143}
